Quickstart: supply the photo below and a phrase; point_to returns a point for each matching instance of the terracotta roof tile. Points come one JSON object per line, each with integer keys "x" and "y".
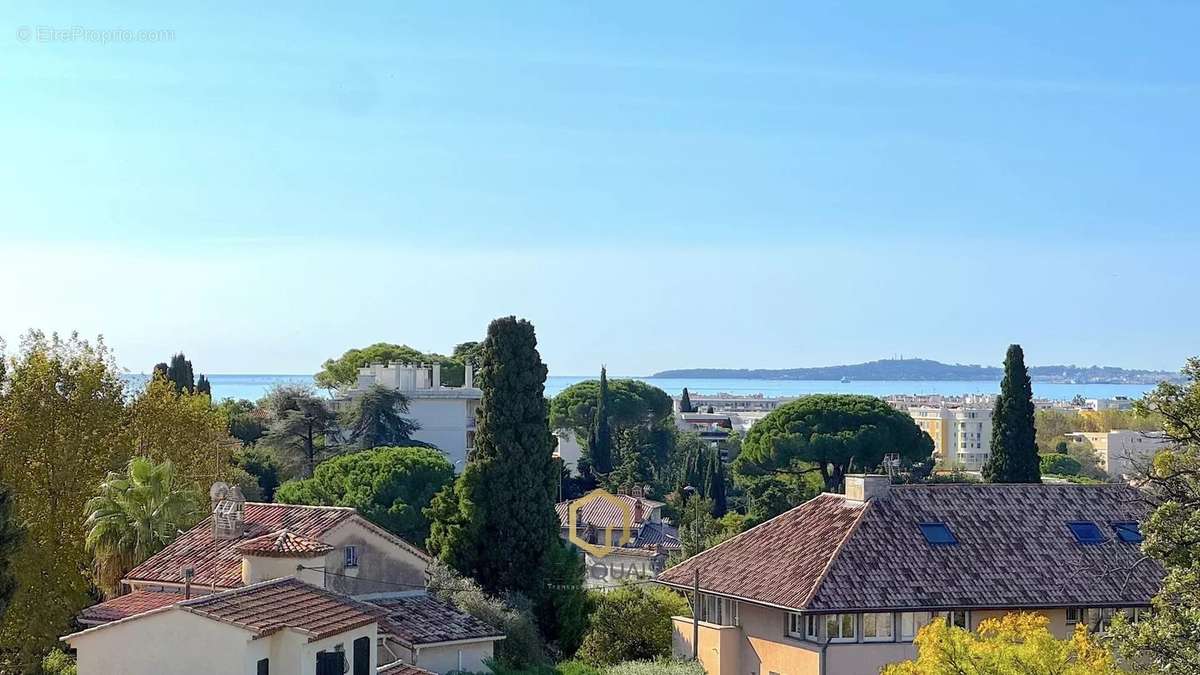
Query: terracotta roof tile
{"x": 217, "y": 561}
{"x": 424, "y": 619}
{"x": 1013, "y": 549}
{"x": 285, "y": 603}
{"x": 779, "y": 562}
{"x": 128, "y": 605}
{"x": 604, "y": 513}
{"x": 284, "y": 544}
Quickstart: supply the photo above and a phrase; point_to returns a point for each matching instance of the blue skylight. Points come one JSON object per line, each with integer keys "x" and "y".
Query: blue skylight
{"x": 1128, "y": 532}
{"x": 937, "y": 533}
{"x": 1087, "y": 533}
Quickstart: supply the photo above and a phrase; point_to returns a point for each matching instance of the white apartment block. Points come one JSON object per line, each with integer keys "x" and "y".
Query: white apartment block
{"x": 1120, "y": 452}
{"x": 721, "y": 403}
{"x": 961, "y": 431}
{"x": 1116, "y": 403}
{"x": 446, "y": 414}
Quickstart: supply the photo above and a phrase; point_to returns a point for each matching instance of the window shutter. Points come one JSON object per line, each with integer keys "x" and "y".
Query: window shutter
{"x": 362, "y": 656}
{"x": 264, "y": 667}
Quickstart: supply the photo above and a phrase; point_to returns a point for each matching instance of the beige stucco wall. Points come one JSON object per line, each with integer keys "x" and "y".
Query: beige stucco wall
{"x": 382, "y": 565}
{"x": 261, "y": 568}
{"x": 766, "y": 646}
{"x": 719, "y": 645}
{"x": 446, "y": 658}
{"x": 171, "y": 641}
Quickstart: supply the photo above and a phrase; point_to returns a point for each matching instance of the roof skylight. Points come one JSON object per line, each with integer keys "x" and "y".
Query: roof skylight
{"x": 938, "y": 533}
{"x": 1087, "y": 533}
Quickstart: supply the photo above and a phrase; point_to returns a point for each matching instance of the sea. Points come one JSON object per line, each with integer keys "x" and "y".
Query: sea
{"x": 254, "y": 387}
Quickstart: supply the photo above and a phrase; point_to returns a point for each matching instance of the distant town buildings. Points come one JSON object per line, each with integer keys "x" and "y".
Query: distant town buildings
{"x": 601, "y": 521}
{"x": 961, "y": 428}
{"x": 1121, "y": 451}
{"x": 734, "y": 403}
{"x": 1115, "y": 403}
{"x": 446, "y": 414}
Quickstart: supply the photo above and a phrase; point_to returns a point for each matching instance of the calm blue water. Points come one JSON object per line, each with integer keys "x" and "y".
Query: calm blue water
{"x": 253, "y": 387}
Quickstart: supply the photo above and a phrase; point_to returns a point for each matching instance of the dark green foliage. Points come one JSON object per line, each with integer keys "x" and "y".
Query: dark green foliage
{"x": 343, "y": 370}
{"x": 263, "y": 466}
{"x": 831, "y": 434}
{"x": 247, "y": 422}
{"x": 522, "y": 648}
{"x": 702, "y": 470}
{"x": 203, "y": 386}
{"x": 600, "y": 440}
{"x": 11, "y": 535}
{"x": 377, "y": 419}
{"x": 180, "y": 373}
{"x": 714, "y": 483}
{"x": 160, "y": 370}
{"x": 1062, "y": 447}
{"x": 1014, "y": 457}
{"x": 502, "y": 521}
{"x": 630, "y": 623}
{"x": 390, "y": 486}
{"x": 685, "y": 402}
{"x": 629, "y": 403}
{"x": 1063, "y": 465}
{"x": 564, "y": 608}
{"x": 300, "y": 422}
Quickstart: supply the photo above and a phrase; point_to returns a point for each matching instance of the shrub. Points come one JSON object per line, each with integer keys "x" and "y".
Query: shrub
{"x": 659, "y": 667}
{"x": 1062, "y": 465}
{"x": 58, "y": 662}
{"x": 522, "y": 646}
{"x": 631, "y": 623}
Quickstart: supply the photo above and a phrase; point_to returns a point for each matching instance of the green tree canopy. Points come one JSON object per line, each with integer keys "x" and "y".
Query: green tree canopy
{"x": 180, "y": 374}
{"x": 137, "y": 512}
{"x": 390, "y": 486}
{"x": 377, "y": 418}
{"x": 1168, "y": 638}
{"x": 629, "y": 402}
{"x": 831, "y": 434}
{"x": 11, "y": 534}
{"x": 62, "y": 429}
{"x": 343, "y": 370}
{"x": 1014, "y": 457}
{"x": 1060, "y": 464}
{"x": 502, "y": 519}
{"x": 299, "y": 428}
{"x": 685, "y": 402}
{"x": 630, "y": 623}
{"x": 600, "y": 441}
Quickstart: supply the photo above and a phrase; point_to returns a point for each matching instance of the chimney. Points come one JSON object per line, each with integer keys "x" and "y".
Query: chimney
{"x": 188, "y": 573}
{"x": 468, "y": 375}
{"x": 228, "y": 511}
{"x": 865, "y": 487}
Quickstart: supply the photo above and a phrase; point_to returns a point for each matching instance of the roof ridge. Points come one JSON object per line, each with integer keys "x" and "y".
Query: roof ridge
{"x": 304, "y": 506}
{"x": 866, "y": 506}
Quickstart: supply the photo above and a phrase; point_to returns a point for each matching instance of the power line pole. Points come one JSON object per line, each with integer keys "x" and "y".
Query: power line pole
{"x": 696, "y": 614}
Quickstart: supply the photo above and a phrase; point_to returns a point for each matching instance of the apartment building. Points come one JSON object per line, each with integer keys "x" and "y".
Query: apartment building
{"x": 841, "y": 584}
{"x": 1122, "y": 451}
{"x": 734, "y": 403}
{"x": 961, "y": 431}
{"x": 446, "y": 415}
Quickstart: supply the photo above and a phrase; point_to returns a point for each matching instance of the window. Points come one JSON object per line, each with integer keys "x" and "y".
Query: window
{"x": 877, "y": 627}
{"x": 911, "y": 623}
{"x": 841, "y": 627}
{"x": 351, "y": 554}
{"x": 331, "y": 663}
{"x": 812, "y": 627}
{"x": 1074, "y": 614}
{"x": 937, "y": 533}
{"x": 263, "y": 667}
{"x": 956, "y": 618}
{"x": 362, "y": 656}
{"x": 718, "y": 610}
{"x": 1128, "y": 532}
{"x": 796, "y": 625}
{"x": 1086, "y": 533}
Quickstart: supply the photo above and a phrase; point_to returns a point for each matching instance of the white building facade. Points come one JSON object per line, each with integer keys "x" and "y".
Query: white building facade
{"x": 961, "y": 431}
{"x": 446, "y": 415}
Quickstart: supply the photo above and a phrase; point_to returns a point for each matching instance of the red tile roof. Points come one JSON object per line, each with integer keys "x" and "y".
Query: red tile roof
{"x": 128, "y": 605}
{"x": 604, "y": 513}
{"x": 272, "y": 606}
{"x": 1014, "y": 550}
{"x": 217, "y": 561}
{"x": 781, "y": 561}
{"x": 284, "y": 544}
{"x": 423, "y": 619}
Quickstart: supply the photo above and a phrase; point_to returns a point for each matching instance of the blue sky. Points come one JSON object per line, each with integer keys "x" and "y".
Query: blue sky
{"x": 655, "y": 185}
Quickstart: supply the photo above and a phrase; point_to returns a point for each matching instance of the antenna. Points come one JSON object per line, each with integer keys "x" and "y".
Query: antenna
{"x": 891, "y": 464}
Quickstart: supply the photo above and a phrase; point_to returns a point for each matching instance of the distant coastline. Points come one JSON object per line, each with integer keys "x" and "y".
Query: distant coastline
{"x": 921, "y": 370}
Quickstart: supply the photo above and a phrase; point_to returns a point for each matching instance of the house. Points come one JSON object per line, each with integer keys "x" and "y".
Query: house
{"x": 841, "y": 583}
{"x": 278, "y": 626}
{"x": 446, "y": 415}
{"x": 612, "y": 554}
{"x": 333, "y": 550}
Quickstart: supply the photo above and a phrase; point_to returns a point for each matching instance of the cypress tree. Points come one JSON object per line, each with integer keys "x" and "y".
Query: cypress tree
{"x": 685, "y": 402}
{"x": 180, "y": 372}
{"x": 502, "y": 523}
{"x": 600, "y": 447}
{"x": 203, "y": 386}
{"x": 1014, "y": 457}
{"x": 716, "y": 484}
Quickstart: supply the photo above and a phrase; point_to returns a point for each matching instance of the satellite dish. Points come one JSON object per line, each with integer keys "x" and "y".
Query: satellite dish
{"x": 218, "y": 491}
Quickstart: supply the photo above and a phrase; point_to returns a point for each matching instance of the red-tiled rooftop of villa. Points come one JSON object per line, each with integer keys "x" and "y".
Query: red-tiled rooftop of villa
{"x": 284, "y": 544}
{"x": 1013, "y": 549}
{"x": 421, "y": 619}
{"x": 128, "y": 605}
{"x": 403, "y": 669}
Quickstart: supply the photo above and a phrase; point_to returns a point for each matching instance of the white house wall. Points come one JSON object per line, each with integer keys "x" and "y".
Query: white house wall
{"x": 382, "y": 565}
{"x": 445, "y": 659}
{"x": 444, "y": 424}
{"x": 173, "y": 641}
